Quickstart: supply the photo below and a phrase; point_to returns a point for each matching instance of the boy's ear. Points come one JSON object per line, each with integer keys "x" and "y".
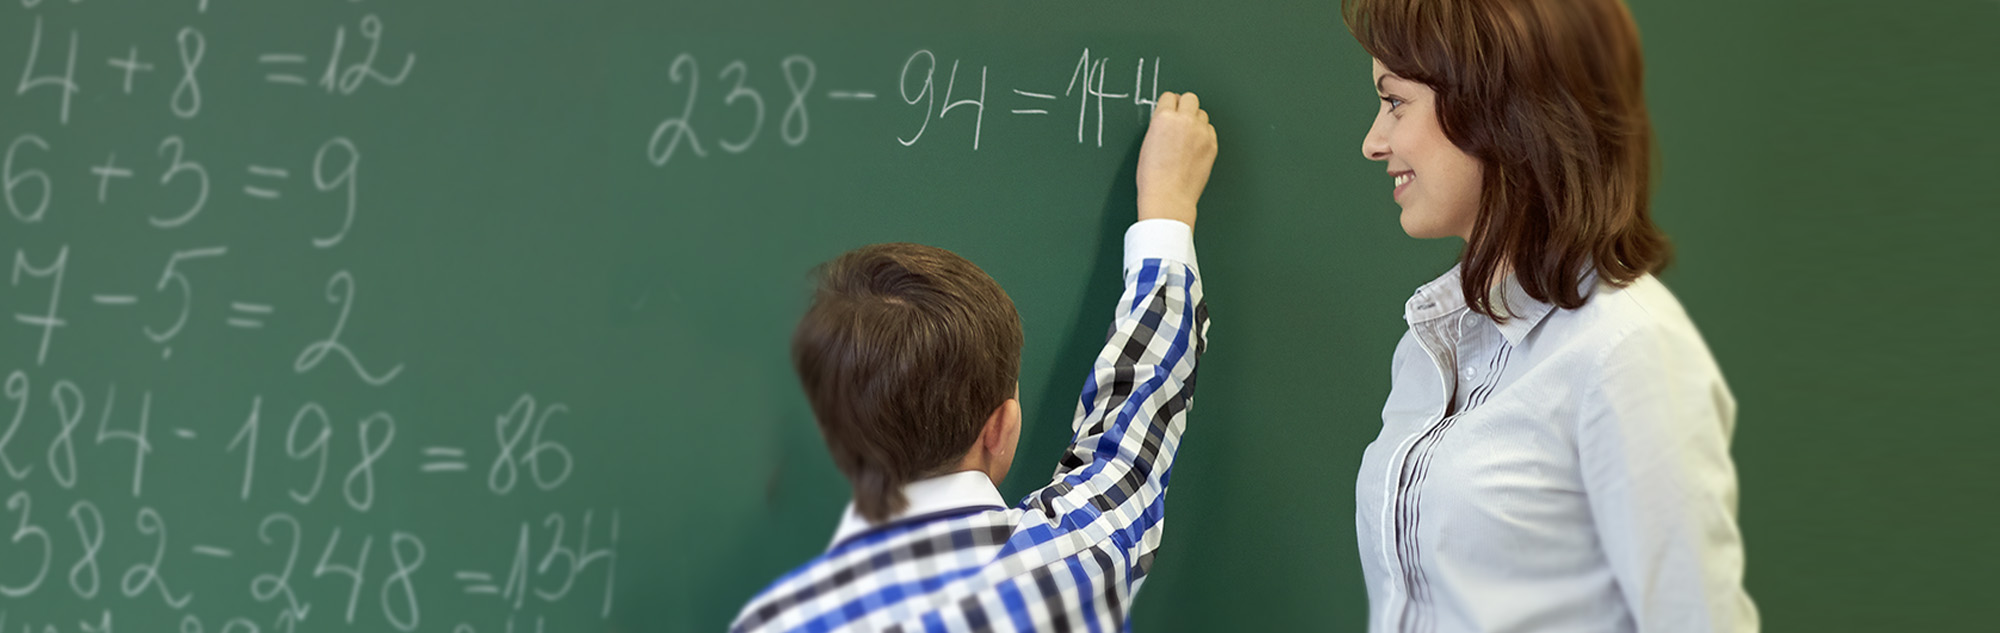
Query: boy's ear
{"x": 1003, "y": 426}
{"x": 1005, "y": 438}
{"x": 1011, "y": 409}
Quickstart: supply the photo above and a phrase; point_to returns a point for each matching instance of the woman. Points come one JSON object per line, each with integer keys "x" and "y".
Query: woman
{"x": 1554, "y": 453}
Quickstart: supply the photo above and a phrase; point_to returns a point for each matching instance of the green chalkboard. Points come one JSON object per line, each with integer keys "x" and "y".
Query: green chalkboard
{"x": 331, "y": 315}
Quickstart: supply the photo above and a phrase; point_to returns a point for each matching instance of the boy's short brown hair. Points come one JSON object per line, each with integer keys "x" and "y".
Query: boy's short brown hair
{"x": 904, "y": 353}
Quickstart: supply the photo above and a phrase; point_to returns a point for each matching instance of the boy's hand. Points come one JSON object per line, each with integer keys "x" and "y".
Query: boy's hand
{"x": 1175, "y": 160}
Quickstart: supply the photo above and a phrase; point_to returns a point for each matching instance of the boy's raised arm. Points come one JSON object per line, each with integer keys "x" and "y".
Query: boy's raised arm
{"x": 1112, "y": 481}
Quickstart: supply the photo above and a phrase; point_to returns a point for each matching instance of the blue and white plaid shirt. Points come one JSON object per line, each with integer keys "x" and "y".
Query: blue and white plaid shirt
{"x": 1068, "y": 557}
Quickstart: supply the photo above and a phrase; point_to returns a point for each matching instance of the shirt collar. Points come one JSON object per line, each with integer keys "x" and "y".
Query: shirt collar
{"x": 1443, "y": 297}
{"x": 943, "y": 494}
{"x": 1524, "y": 312}
{"x": 1435, "y": 300}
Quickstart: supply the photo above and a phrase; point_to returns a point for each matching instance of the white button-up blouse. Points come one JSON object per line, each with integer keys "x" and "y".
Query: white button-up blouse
{"x": 1566, "y": 470}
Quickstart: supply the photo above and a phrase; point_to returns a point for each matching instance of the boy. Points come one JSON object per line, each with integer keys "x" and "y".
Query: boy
{"x": 910, "y": 357}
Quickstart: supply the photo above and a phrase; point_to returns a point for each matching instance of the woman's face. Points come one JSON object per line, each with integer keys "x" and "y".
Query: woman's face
{"x": 1436, "y": 183}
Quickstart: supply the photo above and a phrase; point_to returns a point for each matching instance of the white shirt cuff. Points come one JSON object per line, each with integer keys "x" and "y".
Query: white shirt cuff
{"x": 1172, "y": 240}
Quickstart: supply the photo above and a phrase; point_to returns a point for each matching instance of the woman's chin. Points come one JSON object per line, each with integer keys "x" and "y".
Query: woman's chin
{"x": 1419, "y": 222}
{"x": 1417, "y": 226}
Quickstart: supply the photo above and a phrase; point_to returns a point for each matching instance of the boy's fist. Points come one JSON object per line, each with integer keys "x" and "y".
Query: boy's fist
{"x": 1174, "y": 161}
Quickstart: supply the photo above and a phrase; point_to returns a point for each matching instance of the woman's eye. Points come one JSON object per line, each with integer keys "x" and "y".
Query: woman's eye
{"x": 1393, "y": 102}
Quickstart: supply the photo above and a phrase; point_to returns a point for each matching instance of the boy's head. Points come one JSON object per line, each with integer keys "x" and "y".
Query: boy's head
{"x": 910, "y": 356}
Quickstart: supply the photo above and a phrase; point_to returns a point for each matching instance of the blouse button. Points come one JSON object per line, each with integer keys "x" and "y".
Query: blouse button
{"x": 1468, "y": 373}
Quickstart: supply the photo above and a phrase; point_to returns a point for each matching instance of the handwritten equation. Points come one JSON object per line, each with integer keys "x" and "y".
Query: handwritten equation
{"x": 305, "y": 534}
{"x": 308, "y": 469}
{"x": 924, "y": 83}
{"x": 52, "y": 66}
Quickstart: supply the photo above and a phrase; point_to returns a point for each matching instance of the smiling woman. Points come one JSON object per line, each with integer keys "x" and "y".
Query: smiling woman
{"x": 1406, "y": 134}
{"x": 1554, "y": 453}
{"x": 1546, "y": 96}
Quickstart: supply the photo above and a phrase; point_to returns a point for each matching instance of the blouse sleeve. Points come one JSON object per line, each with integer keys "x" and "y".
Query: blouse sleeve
{"x": 1654, "y": 443}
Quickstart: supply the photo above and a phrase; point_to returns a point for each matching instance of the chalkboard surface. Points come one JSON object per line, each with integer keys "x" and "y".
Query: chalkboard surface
{"x": 330, "y": 315}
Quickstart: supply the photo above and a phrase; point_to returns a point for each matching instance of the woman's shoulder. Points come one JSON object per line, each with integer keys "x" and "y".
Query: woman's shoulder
{"x": 1642, "y": 308}
{"x": 1639, "y": 318}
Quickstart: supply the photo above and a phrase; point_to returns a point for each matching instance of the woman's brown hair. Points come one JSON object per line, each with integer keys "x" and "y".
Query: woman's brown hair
{"x": 1548, "y": 96}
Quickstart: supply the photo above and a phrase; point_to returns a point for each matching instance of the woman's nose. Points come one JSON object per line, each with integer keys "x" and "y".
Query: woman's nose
{"x": 1375, "y": 146}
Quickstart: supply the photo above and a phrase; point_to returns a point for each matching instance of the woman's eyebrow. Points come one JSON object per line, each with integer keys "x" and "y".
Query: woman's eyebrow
{"x": 1378, "y": 81}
